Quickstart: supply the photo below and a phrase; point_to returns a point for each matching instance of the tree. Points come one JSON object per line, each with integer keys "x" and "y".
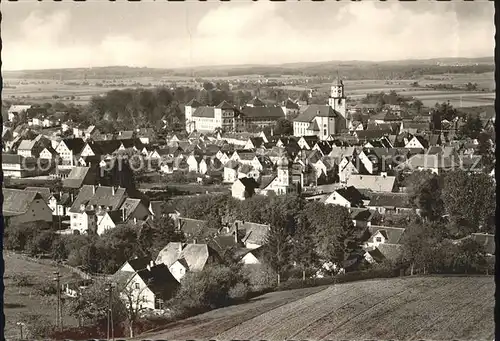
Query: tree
{"x": 486, "y": 150}
{"x": 41, "y": 243}
{"x": 91, "y": 305}
{"x": 471, "y": 129}
{"x": 133, "y": 300}
{"x": 469, "y": 199}
{"x": 335, "y": 234}
{"x": 207, "y": 289}
{"x": 424, "y": 194}
{"x": 304, "y": 248}
{"x": 470, "y": 257}
{"x": 157, "y": 233}
{"x": 445, "y": 111}
{"x": 283, "y": 127}
{"x": 277, "y": 246}
{"x": 419, "y": 243}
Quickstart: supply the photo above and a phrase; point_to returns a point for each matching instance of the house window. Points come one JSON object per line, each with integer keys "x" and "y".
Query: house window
{"x": 137, "y": 285}
{"x": 378, "y": 239}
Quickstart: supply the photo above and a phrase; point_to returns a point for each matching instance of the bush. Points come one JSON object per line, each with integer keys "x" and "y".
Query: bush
{"x": 22, "y": 280}
{"x": 38, "y": 326}
{"x": 295, "y": 283}
{"x": 239, "y": 292}
{"x": 46, "y": 288}
{"x": 261, "y": 277}
{"x": 206, "y": 290}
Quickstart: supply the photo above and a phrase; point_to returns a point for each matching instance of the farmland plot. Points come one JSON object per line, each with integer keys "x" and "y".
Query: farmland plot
{"x": 401, "y": 308}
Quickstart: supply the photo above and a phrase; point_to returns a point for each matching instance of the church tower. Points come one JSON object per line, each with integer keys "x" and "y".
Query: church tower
{"x": 337, "y": 98}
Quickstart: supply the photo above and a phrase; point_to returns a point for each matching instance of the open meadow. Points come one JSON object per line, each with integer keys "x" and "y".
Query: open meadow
{"x": 26, "y": 298}
{"x": 44, "y": 90}
{"x": 408, "y": 308}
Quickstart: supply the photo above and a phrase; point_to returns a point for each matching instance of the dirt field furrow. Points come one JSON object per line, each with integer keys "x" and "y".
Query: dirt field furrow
{"x": 406, "y": 307}
{"x": 434, "y": 307}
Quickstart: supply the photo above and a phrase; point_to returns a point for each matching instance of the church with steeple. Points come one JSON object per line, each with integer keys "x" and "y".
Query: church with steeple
{"x": 324, "y": 120}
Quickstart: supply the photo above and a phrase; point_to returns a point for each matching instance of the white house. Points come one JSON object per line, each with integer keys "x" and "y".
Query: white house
{"x": 243, "y": 188}
{"x": 384, "y": 234}
{"x": 346, "y": 197}
{"x": 150, "y": 288}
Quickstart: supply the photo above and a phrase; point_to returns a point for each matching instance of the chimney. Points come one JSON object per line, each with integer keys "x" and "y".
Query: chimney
{"x": 135, "y": 220}
{"x": 112, "y": 190}
{"x": 93, "y": 189}
{"x": 148, "y": 267}
{"x": 180, "y": 247}
{"x": 194, "y": 241}
{"x": 152, "y": 263}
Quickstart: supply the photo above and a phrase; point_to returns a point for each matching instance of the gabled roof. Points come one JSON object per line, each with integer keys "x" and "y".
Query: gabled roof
{"x": 351, "y": 194}
{"x": 393, "y": 235}
{"x": 389, "y": 251}
{"x": 426, "y": 161}
{"x": 266, "y": 180}
{"x": 160, "y": 281}
{"x": 389, "y": 200}
{"x": 193, "y": 103}
{"x": 103, "y": 196}
{"x": 256, "y": 102}
{"x": 76, "y": 177}
{"x": 262, "y": 112}
{"x": 376, "y": 183}
{"x": 313, "y": 126}
{"x": 43, "y": 191}
{"x": 324, "y": 146}
{"x": 257, "y": 141}
{"x": 139, "y": 263}
{"x": 254, "y": 233}
{"x": 130, "y": 205}
{"x": 26, "y": 145}
{"x": 361, "y": 214}
{"x": 249, "y": 183}
{"x": 170, "y": 253}
{"x": 197, "y": 255}
{"x": 75, "y": 145}
{"x": 204, "y": 112}
{"x": 16, "y": 201}
{"x": 289, "y": 104}
{"x": 315, "y": 110}
{"x": 193, "y": 227}
{"x": 365, "y": 135}
{"x": 225, "y": 105}
{"x": 104, "y": 147}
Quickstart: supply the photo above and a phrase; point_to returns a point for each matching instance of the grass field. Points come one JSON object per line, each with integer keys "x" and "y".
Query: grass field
{"x": 25, "y": 300}
{"x": 41, "y": 91}
{"x": 438, "y": 308}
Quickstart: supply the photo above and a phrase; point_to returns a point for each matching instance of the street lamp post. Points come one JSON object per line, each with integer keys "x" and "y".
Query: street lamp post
{"x": 109, "y": 289}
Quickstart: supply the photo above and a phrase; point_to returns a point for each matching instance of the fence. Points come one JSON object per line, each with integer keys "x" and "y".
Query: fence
{"x": 77, "y": 271}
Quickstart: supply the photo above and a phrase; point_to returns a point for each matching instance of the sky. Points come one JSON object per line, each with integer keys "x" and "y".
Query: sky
{"x": 43, "y": 35}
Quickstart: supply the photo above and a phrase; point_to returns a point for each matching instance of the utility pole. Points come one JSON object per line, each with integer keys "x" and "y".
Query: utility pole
{"x": 109, "y": 289}
{"x": 21, "y": 324}
{"x": 57, "y": 279}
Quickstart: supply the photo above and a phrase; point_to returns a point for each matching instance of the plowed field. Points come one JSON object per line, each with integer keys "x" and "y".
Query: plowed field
{"x": 437, "y": 308}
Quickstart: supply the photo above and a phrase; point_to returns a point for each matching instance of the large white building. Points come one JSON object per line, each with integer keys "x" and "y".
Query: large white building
{"x": 324, "y": 120}
{"x": 229, "y": 118}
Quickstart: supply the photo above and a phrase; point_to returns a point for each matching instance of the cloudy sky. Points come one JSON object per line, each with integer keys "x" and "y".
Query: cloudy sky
{"x": 44, "y": 34}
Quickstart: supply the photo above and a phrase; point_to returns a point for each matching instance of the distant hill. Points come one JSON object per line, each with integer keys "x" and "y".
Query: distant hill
{"x": 399, "y": 69}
